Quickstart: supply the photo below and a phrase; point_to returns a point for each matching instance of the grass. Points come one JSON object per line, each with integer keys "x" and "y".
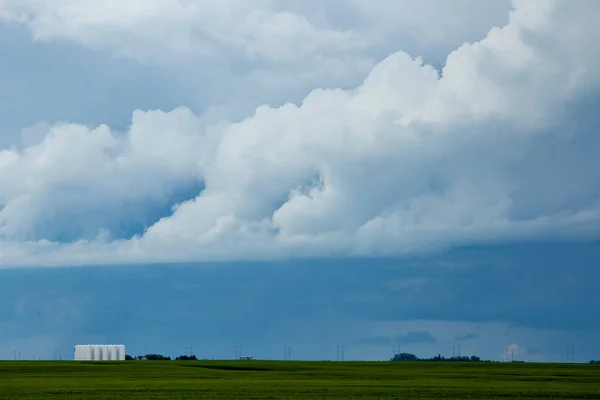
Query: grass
{"x": 295, "y": 380}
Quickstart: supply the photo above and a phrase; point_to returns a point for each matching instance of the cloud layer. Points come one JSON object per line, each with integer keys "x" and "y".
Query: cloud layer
{"x": 501, "y": 144}
{"x": 541, "y": 298}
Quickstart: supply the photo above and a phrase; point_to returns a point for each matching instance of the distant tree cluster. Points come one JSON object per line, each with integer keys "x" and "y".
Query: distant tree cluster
{"x": 160, "y": 357}
{"x": 186, "y": 358}
{"x": 412, "y": 357}
{"x": 149, "y": 357}
{"x": 595, "y": 362}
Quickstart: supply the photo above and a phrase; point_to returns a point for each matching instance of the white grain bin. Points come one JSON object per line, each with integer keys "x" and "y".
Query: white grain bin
{"x": 120, "y": 352}
{"x": 104, "y": 353}
{"x": 98, "y": 352}
{"x": 112, "y": 353}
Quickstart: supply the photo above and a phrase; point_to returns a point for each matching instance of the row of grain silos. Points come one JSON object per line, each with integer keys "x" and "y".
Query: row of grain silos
{"x": 100, "y": 352}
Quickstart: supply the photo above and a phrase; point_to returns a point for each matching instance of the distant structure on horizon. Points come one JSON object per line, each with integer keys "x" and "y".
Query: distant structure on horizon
{"x": 100, "y": 352}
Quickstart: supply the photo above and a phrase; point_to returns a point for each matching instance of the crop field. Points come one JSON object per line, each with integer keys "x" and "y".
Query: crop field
{"x": 295, "y": 380}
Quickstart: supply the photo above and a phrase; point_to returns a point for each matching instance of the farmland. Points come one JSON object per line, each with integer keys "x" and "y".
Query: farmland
{"x": 295, "y": 380}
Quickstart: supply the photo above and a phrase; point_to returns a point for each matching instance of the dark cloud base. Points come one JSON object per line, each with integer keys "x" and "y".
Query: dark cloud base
{"x": 534, "y": 286}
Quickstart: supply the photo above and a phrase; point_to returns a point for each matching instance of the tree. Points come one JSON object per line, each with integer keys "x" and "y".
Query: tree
{"x": 186, "y": 358}
{"x": 156, "y": 357}
{"x": 405, "y": 357}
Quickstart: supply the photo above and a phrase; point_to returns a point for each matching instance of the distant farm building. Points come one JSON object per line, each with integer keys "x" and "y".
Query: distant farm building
{"x": 100, "y": 352}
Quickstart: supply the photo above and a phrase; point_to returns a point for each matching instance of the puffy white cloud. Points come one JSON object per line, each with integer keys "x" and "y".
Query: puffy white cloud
{"x": 271, "y": 30}
{"x": 167, "y": 28}
{"x": 259, "y": 50}
{"x": 78, "y": 183}
{"x": 493, "y": 147}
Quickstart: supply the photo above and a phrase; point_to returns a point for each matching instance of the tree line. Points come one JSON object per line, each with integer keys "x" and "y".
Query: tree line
{"x": 160, "y": 357}
{"x": 412, "y": 357}
{"x": 396, "y": 357}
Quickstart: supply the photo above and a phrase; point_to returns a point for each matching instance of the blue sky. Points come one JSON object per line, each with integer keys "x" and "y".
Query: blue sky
{"x": 207, "y": 174}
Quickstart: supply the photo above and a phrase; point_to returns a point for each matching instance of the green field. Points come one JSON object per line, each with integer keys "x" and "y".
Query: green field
{"x": 295, "y": 380}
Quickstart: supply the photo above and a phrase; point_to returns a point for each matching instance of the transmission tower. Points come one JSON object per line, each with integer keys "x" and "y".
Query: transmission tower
{"x": 287, "y": 353}
{"x": 571, "y": 354}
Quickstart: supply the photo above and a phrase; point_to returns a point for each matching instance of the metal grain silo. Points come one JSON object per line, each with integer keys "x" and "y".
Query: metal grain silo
{"x": 122, "y": 352}
{"x": 112, "y": 353}
{"x": 83, "y": 352}
{"x": 98, "y": 352}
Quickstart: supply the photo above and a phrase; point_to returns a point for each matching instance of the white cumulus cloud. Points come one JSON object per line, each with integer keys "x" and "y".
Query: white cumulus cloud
{"x": 501, "y": 144}
{"x": 265, "y": 50}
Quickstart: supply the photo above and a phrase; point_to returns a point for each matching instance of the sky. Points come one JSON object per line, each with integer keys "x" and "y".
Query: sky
{"x": 267, "y": 173}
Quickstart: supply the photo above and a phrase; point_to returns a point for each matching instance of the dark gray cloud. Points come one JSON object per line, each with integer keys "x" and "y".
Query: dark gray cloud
{"x": 536, "y": 285}
{"x": 467, "y": 336}
{"x": 414, "y": 338}
{"x": 312, "y": 305}
{"x": 408, "y": 338}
